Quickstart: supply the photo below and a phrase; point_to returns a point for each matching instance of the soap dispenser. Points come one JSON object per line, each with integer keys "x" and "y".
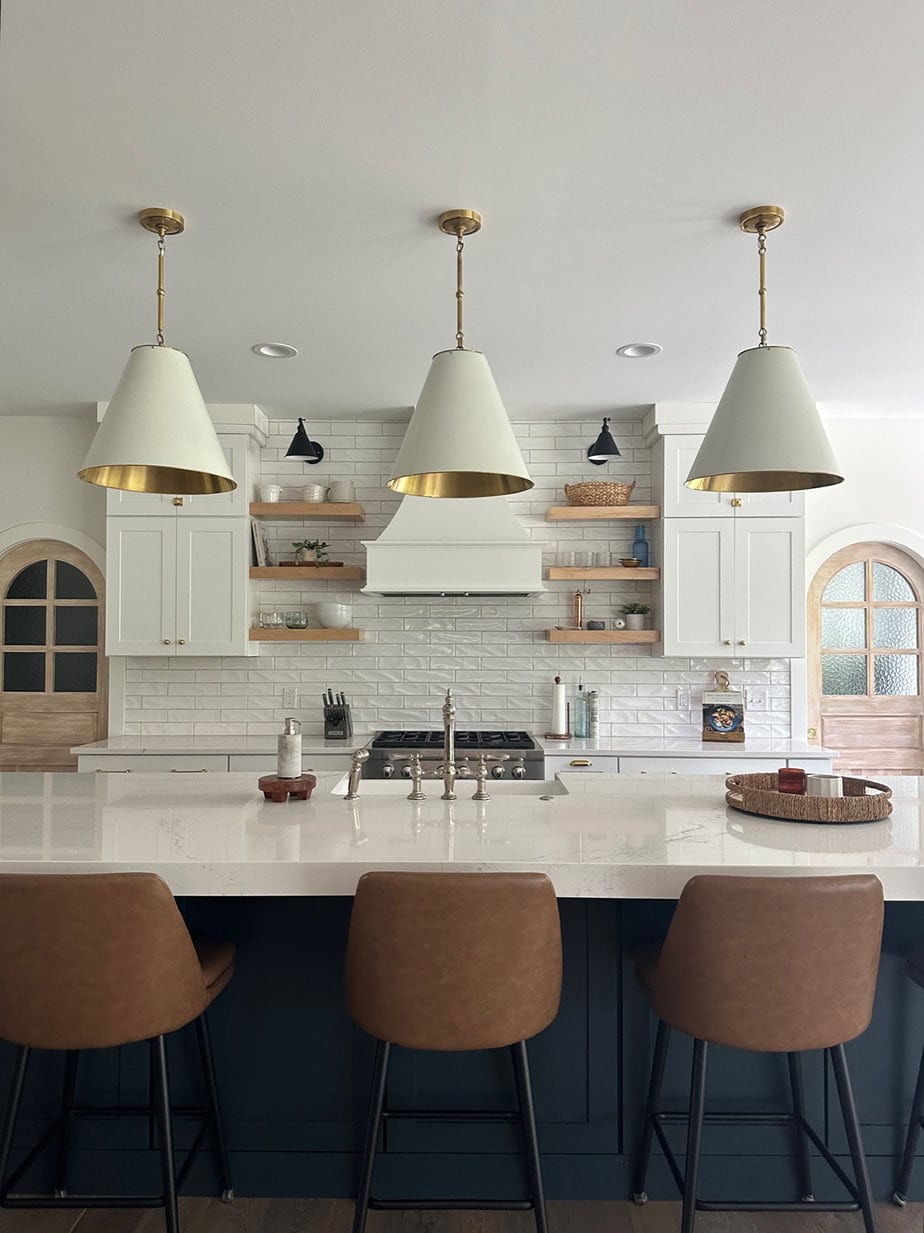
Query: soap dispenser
{"x": 579, "y": 713}
{"x": 289, "y": 750}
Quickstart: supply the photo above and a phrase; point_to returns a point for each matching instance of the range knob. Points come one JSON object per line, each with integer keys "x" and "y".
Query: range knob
{"x": 406, "y": 771}
{"x": 519, "y": 771}
{"x": 497, "y": 772}
{"x": 388, "y": 770}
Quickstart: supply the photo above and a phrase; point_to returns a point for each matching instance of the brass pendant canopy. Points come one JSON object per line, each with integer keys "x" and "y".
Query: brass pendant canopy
{"x": 459, "y": 442}
{"x": 157, "y": 434}
{"x": 766, "y": 434}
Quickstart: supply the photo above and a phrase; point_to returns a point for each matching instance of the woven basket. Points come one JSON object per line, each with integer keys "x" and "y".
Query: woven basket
{"x": 598, "y": 492}
{"x": 863, "y": 800}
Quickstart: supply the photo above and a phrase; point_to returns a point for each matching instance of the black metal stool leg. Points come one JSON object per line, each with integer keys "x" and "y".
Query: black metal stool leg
{"x": 13, "y": 1102}
{"x": 165, "y": 1132}
{"x": 658, "y": 1061}
{"x": 911, "y": 1140}
{"x": 798, "y": 1111}
{"x": 852, "y": 1126}
{"x": 694, "y": 1135}
{"x": 71, "y": 1058}
{"x": 373, "y": 1121}
{"x": 208, "y": 1070}
{"x": 530, "y": 1137}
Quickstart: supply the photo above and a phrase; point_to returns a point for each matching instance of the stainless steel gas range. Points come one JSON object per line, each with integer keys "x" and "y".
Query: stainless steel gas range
{"x": 512, "y": 755}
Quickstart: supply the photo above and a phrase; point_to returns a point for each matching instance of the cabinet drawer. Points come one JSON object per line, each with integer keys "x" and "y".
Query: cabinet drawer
{"x": 708, "y": 765}
{"x": 265, "y": 764}
{"x": 180, "y": 764}
{"x": 581, "y": 764}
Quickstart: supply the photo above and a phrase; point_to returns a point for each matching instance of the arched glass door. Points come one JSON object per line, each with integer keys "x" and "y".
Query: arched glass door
{"x": 865, "y": 637}
{"x": 52, "y": 668}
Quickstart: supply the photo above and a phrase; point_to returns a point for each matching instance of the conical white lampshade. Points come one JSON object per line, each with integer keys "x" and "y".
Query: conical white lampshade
{"x": 766, "y": 434}
{"x": 459, "y": 442}
{"x": 157, "y": 435}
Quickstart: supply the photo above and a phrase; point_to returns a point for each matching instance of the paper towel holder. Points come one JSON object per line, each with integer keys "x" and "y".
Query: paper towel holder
{"x": 566, "y": 735}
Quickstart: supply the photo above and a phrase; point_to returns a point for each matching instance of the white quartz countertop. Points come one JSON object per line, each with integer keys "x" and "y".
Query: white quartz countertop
{"x": 601, "y": 836}
{"x": 315, "y": 744}
{"x": 227, "y": 745}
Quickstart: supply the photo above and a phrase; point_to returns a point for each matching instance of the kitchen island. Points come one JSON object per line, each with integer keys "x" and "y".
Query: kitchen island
{"x": 277, "y": 879}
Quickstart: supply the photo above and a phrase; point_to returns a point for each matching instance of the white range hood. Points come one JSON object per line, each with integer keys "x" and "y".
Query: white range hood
{"x": 449, "y": 546}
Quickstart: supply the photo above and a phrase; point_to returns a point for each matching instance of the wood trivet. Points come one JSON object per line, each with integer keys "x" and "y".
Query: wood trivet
{"x": 279, "y": 790}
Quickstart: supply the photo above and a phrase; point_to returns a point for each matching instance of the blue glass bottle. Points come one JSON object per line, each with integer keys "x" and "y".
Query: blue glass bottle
{"x": 640, "y": 547}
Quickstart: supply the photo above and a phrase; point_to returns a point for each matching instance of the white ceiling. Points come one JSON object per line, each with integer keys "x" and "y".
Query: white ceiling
{"x": 609, "y": 146}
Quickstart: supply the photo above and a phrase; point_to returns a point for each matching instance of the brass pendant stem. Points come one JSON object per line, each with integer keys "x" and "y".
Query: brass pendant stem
{"x": 460, "y": 294}
{"x": 762, "y": 292}
{"x": 161, "y": 250}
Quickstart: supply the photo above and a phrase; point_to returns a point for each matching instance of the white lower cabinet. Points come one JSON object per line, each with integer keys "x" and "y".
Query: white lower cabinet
{"x": 707, "y": 765}
{"x": 733, "y": 587}
{"x": 581, "y": 764}
{"x": 127, "y": 764}
{"x": 265, "y": 764}
{"x": 177, "y": 586}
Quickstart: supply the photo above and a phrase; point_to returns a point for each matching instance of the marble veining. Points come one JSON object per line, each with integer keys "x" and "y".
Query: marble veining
{"x": 608, "y": 836}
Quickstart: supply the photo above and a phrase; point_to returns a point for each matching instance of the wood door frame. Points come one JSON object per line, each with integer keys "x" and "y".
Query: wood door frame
{"x": 851, "y": 554}
{"x": 12, "y": 562}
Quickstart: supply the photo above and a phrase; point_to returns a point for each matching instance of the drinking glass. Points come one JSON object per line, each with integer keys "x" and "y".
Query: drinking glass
{"x": 296, "y": 620}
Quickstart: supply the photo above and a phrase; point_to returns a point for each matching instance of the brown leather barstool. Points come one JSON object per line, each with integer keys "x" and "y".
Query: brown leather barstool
{"x": 93, "y": 961}
{"x": 776, "y": 965}
{"x": 914, "y": 965}
{"x": 453, "y": 962}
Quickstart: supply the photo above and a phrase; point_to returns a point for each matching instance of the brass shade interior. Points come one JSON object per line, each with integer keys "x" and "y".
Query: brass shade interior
{"x": 763, "y": 481}
{"x": 135, "y": 477}
{"x": 459, "y": 484}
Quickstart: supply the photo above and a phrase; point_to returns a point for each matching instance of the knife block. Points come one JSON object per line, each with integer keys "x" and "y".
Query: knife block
{"x": 339, "y": 731}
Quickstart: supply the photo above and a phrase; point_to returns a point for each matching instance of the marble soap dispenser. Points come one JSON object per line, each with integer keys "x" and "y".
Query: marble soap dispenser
{"x": 289, "y": 751}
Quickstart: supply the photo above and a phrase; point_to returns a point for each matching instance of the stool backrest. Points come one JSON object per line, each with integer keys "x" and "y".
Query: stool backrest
{"x": 93, "y": 960}
{"x": 454, "y": 961}
{"x": 775, "y": 964}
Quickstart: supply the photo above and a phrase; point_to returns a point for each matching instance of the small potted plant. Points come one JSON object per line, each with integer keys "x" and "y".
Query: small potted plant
{"x": 316, "y": 546}
{"x": 635, "y": 615}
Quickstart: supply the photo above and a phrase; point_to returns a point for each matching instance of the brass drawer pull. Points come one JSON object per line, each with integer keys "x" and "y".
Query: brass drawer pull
{"x": 103, "y": 770}
{"x": 198, "y": 770}
{"x": 580, "y": 762}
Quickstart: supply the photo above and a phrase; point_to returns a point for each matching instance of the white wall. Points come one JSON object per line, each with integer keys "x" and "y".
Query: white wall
{"x": 883, "y": 462}
{"x": 39, "y": 457}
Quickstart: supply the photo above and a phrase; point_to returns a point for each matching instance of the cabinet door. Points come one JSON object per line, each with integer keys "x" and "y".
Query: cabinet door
{"x": 697, "y": 587}
{"x": 141, "y": 586}
{"x": 212, "y": 555}
{"x": 679, "y": 452}
{"x": 769, "y": 587}
{"x": 164, "y": 504}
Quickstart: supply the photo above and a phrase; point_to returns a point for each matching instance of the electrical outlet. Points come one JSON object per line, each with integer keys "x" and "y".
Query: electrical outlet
{"x": 756, "y": 698}
{"x": 683, "y": 698}
{"x": 290, "y": 697}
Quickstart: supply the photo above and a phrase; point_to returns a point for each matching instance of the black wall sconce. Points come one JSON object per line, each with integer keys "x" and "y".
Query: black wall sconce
{"x": 302, "y": 449}
{"x": 604, "y": 449}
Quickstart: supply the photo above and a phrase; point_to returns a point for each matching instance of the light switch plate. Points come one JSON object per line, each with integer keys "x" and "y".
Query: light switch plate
{"x": 683, "y": 698}
{"x": 755, "y": 697}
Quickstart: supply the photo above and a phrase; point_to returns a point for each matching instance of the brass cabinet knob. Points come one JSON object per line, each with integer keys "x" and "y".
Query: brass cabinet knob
{"x": 181, "y": 641}
{"x": 726, "y": 642}
{"x": 166, "y": 642}
{"x": 742, "y": 642}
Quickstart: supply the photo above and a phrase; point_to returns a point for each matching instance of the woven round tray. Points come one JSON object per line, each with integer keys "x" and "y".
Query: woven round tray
{"x": 864, "y": 800}
{"x": 599, "y": 492}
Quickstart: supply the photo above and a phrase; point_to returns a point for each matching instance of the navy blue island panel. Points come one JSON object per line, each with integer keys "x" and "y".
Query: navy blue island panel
{"x": 295, "y": 1072}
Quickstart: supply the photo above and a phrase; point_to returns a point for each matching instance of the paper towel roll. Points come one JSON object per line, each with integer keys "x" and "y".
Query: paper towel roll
{"x": 559, "y": 708}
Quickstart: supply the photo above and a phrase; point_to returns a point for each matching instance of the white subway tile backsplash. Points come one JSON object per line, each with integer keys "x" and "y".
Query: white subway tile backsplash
{"x": 492, "y": 651}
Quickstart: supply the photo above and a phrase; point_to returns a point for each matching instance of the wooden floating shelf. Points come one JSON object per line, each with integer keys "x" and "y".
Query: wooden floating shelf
{"x": 306, "y": 635}
{"x": 581, "y": 513}
{"x": 604, "y": 635}
{"x": 290, "y": 511}
{"x": 602, "y": 571}
{"x": 310, "y": 573}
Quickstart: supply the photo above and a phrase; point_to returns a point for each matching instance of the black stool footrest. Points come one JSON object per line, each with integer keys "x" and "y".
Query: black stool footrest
{"x": 451, "y": 1205}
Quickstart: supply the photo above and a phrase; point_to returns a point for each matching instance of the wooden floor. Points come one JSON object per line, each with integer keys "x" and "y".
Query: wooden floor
{"x": 335, "y": 1216}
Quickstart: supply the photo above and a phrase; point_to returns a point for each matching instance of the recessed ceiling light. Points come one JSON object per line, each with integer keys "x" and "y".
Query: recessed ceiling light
{"x": 639, "y": 351}
{"x": 275, "y": 351}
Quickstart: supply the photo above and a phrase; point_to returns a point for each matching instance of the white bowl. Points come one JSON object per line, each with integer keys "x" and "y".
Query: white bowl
{"x": 335, "y": 616}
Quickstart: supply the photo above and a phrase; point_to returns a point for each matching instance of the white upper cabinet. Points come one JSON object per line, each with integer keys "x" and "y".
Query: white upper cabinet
{"x": 234, "y": 503}
{"x": 733, "y": 587}
{"x": 680, "y": 502}
{"x": 178, "y": 587}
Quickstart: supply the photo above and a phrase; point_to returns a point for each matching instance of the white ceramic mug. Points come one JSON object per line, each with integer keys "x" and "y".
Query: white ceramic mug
{"x": 313, "y": 492}
{"x": 341, "y": 490}
{"x": 270, "y": 493}
{"x": 335, "y": 616}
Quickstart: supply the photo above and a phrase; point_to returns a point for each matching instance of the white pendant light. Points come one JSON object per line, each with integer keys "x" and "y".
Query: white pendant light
{"x": 459, "y": 442}
{"x": 766, "y": 434}
{"x": 157, "y": 434}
